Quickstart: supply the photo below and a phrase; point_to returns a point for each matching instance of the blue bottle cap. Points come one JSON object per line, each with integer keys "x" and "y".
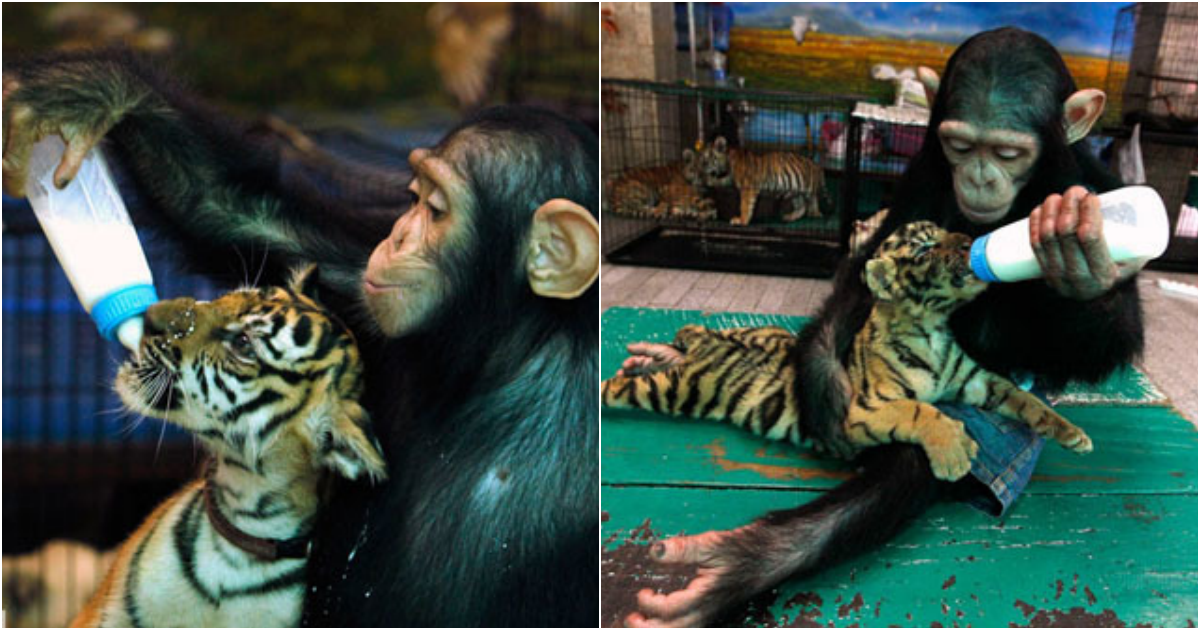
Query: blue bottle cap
{"x": 979, "y": 263}
{"x": 116, "y": 307}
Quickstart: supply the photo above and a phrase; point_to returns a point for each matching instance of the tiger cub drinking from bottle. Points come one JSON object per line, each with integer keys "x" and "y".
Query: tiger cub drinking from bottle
{"x": 904, "y": 358}
{"x": 268, "y": 380}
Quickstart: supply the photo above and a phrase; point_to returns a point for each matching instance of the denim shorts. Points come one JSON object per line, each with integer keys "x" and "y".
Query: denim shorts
{"x": 1008, "y": 453}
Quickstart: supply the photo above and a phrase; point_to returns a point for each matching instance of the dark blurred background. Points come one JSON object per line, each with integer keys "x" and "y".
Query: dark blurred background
{"x": 333, "y": 57}
{"x": 368, "y": 82}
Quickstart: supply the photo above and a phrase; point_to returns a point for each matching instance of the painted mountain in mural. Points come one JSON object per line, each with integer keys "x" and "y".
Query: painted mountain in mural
{"x": 1076, "y": 28}
{"x": 853, "y": 37}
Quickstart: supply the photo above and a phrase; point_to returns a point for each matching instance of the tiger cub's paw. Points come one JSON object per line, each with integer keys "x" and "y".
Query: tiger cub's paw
{"x": 1055, "y": 427}
{"x": 950, "y": 452}
{"x": 1072, "y": 437}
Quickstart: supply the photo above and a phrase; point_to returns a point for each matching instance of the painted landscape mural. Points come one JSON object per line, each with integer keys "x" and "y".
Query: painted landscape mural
{"x": 840, "y": 42}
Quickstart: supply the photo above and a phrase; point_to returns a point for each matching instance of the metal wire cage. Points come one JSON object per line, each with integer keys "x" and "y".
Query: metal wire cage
{"x": 647, "y": 126}
{"x": 1153, "y": 65}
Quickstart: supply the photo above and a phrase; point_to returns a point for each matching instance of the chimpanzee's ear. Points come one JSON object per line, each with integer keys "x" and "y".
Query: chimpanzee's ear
{"x": 564, "y": 250}
{"x": 880, "y": 276}
{"x": 304, "y": 281}
{"x": 1081, "y": 110}
{"x": 929, "y": 79}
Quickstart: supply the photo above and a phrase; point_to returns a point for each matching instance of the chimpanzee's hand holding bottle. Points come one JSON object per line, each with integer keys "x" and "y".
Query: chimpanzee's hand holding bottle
{"x": 91, "y": 234}
{"x": 1135, "y": 228}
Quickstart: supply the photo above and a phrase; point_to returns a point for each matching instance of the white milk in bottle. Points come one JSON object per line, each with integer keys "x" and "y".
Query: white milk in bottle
{"x": 95, "y": 242}
{"x": 1135, "y": 228}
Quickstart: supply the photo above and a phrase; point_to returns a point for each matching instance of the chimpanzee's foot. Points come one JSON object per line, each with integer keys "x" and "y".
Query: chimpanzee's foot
{"x": 705, "y": 596}
{"x": 648, "y": 358}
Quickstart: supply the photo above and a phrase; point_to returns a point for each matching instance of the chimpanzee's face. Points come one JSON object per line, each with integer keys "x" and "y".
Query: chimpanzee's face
{"x": 406, "y": 281}
{"x": 990, "y": 166}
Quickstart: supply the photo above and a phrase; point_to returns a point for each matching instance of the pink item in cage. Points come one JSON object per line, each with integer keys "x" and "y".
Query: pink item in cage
{"x": 905, "y": 140}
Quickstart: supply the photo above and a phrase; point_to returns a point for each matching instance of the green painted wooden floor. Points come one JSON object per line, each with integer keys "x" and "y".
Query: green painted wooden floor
{"x": 1105, "y": 539}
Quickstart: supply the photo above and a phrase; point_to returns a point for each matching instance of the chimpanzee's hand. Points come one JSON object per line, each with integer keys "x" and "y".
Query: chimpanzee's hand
{"x": 720, "y": 581}
{"x": 80, "y": 99}
{"x": 1066, "y": 232}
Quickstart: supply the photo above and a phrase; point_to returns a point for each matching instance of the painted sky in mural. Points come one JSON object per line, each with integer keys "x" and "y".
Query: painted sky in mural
{"x": 1081, "y": 28}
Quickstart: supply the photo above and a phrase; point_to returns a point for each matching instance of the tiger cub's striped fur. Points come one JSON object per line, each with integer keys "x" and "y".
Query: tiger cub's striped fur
{"x": 668, "y": 191}
{"x": 268, "y": 380}
{"x": 799, "y": 180}
{"x": 739, "y": 375}
{"x": 904, "y": 358}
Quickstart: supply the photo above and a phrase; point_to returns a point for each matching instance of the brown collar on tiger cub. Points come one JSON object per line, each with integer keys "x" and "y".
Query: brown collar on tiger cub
{"x": 265, "y": 549}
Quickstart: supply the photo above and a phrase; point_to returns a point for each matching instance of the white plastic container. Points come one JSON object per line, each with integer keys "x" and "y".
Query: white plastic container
{"x": 1135, "y": 228}
{"x": 95, "y": 242}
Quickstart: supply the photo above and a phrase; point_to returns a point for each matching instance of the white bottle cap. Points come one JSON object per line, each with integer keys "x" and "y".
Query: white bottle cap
{"x": 130, "y": 333}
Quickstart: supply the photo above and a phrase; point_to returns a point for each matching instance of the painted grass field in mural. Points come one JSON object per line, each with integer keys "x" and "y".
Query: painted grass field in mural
{"x": 828, "y": 63}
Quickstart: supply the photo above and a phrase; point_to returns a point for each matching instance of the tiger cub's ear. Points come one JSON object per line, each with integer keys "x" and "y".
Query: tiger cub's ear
{"x": 720, "y": 145}
{"x": 347, "y": 445}
{"x": 880, "y": 276}
{"x": 304, "y": 281}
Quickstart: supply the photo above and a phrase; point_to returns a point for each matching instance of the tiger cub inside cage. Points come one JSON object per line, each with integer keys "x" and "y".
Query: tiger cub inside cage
{"x": 661, "y": 192}
{"x": 268, "y": 381}
{"x": 797, "y": 180}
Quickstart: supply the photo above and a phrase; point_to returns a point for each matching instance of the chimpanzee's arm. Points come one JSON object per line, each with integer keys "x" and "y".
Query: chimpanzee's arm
{"x": 1028, "y": 326}
{"x": 211, "y": 180}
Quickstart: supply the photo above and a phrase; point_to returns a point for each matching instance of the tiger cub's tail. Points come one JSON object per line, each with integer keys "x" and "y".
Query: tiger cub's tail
{"x": 738, "y": 375}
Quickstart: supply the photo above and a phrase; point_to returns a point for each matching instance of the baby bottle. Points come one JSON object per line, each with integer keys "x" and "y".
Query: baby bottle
{"x": 1135, "y": 228}
{"x": 95, "y": 242}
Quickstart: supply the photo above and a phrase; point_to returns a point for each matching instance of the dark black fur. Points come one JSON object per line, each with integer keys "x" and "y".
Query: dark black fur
{"x": 504, "y": 388}
{"x": 499, "y": 393}
{"x": 1024, "y": 326}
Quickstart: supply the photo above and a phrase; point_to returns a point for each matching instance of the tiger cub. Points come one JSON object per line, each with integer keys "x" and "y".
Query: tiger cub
{"x": 268, "y": 381}
{"x": 661, "y": 192}
{"x": 904, "y": 358}
{"x": 796, "y": 178}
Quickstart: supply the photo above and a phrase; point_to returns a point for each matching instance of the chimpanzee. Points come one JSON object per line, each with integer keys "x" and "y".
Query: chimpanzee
{"x": 1002, "y": 144}
{"x": 477, "y": 312}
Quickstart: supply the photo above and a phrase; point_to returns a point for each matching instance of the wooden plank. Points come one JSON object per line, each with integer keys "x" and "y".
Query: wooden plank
{"x": 677, "y": 285}
{"x": 610, "y": 275}
{"x": 695, "y": 299}
{"x": 1103, "y": 539}
{"x": 642, "y": 448}
{"x": 708, "y": 279}
{"x": 747, "y": 294}
{"x": 658, "y": 280}
{"x": 723, "y": 294}
{"x": 629, "y": 285}
{"x": 1114, "y": 560}
{"x": 774, "y": 290}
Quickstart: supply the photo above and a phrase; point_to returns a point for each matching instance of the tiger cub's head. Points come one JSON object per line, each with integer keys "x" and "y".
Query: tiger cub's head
{"x": 710, "y": 166}
{"x": 258, "y": 375}
{"x": 923, "y": 267}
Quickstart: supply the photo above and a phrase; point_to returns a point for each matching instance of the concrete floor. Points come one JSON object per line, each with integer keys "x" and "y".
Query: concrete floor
{"x": 1169, "y": 361}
